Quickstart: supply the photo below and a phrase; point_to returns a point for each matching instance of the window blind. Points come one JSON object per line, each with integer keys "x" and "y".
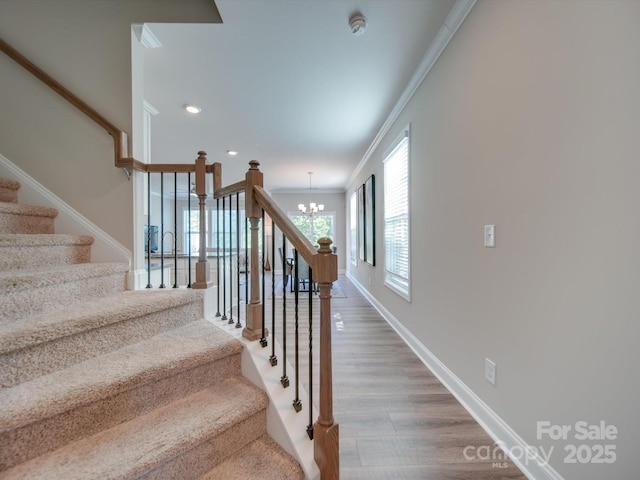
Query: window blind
{"x": 396, "y": 217}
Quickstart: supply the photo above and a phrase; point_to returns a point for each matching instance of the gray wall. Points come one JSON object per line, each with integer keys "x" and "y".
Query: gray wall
{"x": 86, "y": 46}
{"x": 530, "y": 120}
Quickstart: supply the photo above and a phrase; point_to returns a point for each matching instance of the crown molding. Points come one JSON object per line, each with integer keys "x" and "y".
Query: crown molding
{"x": 451, "y": 24}
{"x": 145, "y": 36}
{"x": 150, "y": 109}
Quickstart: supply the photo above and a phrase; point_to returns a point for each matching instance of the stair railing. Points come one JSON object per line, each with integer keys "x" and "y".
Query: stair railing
{"x": 124, "y": 161}
{"x": 192, "y": 180}
{"x": 324, "y": 269}
{"x": 323, "y": 262}
{"x": 122, "y": 158}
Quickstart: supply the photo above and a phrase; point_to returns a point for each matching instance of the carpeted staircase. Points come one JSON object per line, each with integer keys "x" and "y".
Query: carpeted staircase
{"x": 103, "y": 383}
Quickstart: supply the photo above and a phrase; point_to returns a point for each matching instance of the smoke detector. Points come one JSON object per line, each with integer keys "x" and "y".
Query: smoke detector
{"x": 358, "y": 24}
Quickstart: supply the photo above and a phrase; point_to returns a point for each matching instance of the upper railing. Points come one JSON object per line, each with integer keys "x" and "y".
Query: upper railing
{"x": 122, "y": 159}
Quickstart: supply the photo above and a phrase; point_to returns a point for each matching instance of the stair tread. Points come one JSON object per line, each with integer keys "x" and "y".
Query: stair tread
{"x": 263, "y": 458}
{"x": 88, "y": 315}
{"x": 136, "y": 447}
{"x": 24, "y": 209}
{"x": 43, "y": 239}
{"x": 169, "y": 352}
{"x": 19, "y": 279}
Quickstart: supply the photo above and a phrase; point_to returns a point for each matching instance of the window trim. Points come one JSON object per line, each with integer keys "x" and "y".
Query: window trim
{"x": 389, "y": 276}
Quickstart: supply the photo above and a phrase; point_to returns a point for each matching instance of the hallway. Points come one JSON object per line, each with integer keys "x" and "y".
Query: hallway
{"x": 397, "y": 421}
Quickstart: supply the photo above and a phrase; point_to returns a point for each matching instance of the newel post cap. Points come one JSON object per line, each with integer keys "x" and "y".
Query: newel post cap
{"x": 325, "y": 245}
{"x": 254, "y": 164}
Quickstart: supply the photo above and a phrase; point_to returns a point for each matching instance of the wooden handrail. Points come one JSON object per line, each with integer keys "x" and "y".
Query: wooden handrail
{"x": 121, "y": 142}
{"x": 168, "y": 167}
{"x": 286, "y": 226}
{"x": 238, "y": 187}
{"x": 218, "y": 190}
{"x": 122, "y": 159}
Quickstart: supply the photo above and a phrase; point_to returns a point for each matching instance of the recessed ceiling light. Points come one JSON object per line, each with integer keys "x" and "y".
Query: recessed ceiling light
{"x": 232, "y": 153}
{"x": 192, "y": 108}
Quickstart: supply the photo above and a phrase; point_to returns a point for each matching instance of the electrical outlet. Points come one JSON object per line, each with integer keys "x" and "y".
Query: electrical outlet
{"x": 490, "y": 371}
{"x": 369, "y": 281}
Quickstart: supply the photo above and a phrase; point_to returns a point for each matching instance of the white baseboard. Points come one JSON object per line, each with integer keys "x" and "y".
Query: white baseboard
{"x": 497, "y": 428}
{"x": 104, "y": 249}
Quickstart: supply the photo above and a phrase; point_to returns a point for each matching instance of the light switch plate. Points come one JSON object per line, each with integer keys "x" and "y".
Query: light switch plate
{"x": 490, "y": 371}
{"x": 489, "y": 235}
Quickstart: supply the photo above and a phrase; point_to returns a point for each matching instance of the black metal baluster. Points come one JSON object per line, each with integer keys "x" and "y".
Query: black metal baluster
{"x": 284, "y": 380}
{"x": 231, "y": 322}
{"x": 246, "y": 260}
{"x": 297, "y": 404}
{"x": 218, "y": 254}
{"x": 162, "y": 285}
{"x": 224, "y": 260}
{"x": 188, "y": 229}
{"x": 273, "y": 359}
{"x": 175, "y": 229}
{"x": 148, "y": 229}
{"x": 263, "y": 340}
{"x": 238, "y": 324}
{"x": 310, "y": 426}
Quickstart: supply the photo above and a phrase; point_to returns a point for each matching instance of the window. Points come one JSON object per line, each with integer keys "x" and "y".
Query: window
{"x": 396, "y": 217}
{"x": 353, "y": 228}
{"x": 192, "y": 229}
{"x": 228, "y": 222}
{"x": 315, "y": 227}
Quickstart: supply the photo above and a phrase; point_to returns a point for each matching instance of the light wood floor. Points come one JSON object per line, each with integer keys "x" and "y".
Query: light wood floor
{"x": 397, "y": 421}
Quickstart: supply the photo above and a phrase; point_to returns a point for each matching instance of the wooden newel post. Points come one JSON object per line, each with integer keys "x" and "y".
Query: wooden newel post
{"x": 253, "y": 329}
{"x": 202, "y": 267}
{"x": 325, "y": 431}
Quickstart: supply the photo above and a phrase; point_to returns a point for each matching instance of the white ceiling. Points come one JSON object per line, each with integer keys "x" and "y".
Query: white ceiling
{"x": 285, "y": 82}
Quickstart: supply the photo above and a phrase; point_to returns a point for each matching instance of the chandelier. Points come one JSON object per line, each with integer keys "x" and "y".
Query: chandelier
{"x": 313, "y": 207}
